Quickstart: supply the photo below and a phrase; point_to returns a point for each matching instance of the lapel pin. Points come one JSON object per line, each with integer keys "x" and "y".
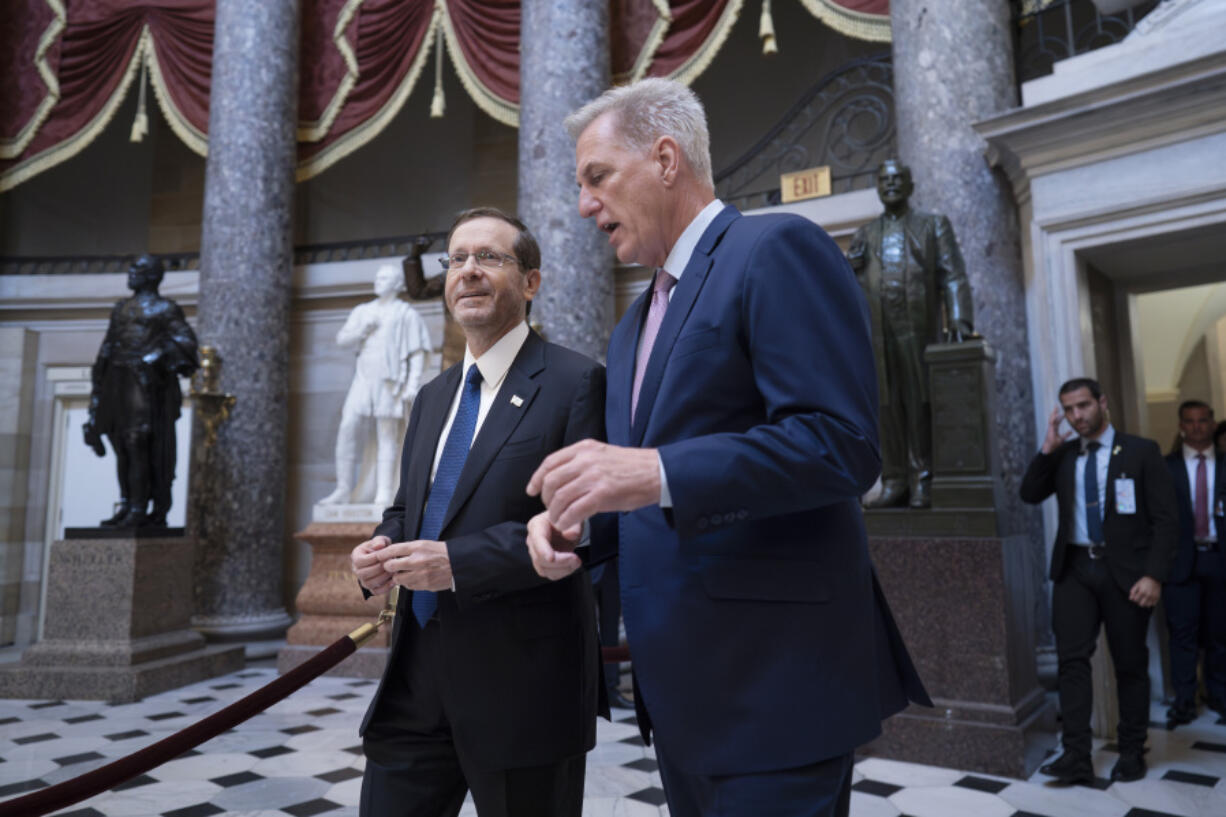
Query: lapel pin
{"x": 516, "y": 400}
{"x": 1115, "y": 451}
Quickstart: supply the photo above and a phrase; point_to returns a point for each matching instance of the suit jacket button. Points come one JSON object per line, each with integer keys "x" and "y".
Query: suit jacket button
{"x": 702, "y": 523}
{"x": 742, "y": 514}
{"x": 716, "y": 519}
{"x": 729, "y": 517}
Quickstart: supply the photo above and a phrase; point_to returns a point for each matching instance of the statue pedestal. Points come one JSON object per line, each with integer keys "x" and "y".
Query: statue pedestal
{"x": 330, "y": 603}
{"x": 117, "y": 624}
{"x": 964, "y": 592}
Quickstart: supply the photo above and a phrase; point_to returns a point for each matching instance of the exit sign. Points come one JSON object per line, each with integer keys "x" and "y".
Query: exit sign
{"x": 805, "y": 184}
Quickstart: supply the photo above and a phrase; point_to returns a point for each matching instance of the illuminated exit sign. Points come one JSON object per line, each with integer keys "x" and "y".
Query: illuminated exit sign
{"x": 805, "y": 184}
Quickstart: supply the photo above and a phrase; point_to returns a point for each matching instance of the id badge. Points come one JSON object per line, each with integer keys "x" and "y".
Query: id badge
{"x": 1125, "y": 496}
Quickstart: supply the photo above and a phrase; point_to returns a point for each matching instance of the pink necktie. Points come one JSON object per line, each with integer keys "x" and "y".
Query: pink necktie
{"x": 655, "y": 316}
{"x": 1201, "y": 506}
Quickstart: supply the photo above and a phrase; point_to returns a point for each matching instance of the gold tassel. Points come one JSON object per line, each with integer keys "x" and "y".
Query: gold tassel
{"x": 140, "y": 125}
{"x": 437, "y": 103}
{"x": 766, "y": 30}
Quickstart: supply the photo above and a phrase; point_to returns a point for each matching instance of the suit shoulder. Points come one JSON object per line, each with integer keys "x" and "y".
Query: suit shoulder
{"x": 568, "y": 360}
{"x": 1141, "y": 443}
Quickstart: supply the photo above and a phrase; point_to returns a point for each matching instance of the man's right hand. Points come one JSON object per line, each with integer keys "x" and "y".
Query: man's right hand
{"x": 1054, "y": 438}
{"x": 93, "y": 439}
{"x": 552, "y": 552}
{"x": 368, "y": 568}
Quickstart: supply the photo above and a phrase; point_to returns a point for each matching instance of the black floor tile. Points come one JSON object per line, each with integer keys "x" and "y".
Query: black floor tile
{"x": 198, "y": 810}
{"x": 311, "y": 807}
{"x": 7, "y": 721}
{"x": 1190, "y": 777}
{"x": 250, "y": 675}
{"x": 46, "y": 704}
{"x": 1144, "y": 812}
{"x": 981, "y": 784}
{"x": 344, "y": 696}
{"x": 643, "y": 764}
{"x": 22, "y": 786}
{"x": 300, "y": 730}
{"x": 365, "y": 682}
{"x": 327, "y": 710}
{"x": 93, "y": 716}
{"x": 340, "y": 775}
{"x": 81, "y": 812}
{"x": 135, "y": 733}
{"x": 134, "y": 783}
{"x": 875, "y": 787}
{"x": 652, "y": 795}
{"x": 353, "y": 750}
{"x": 236, "y": 779}
{"x": 1206, "y": 746}
{"x": 39, "y": 738}
{"x": 633, "y": 740}
{"x": 225, "y": 686}
{"x": 81, "y": 758}
{"x": 202, "y": 699}
{"x": 1026, "y": 814}
{"x": 271, "y": 751}
{"x": 164, "y": 716}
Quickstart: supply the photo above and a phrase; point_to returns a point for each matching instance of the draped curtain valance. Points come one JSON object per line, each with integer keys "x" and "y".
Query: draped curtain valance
{"x": 66, "y": 65}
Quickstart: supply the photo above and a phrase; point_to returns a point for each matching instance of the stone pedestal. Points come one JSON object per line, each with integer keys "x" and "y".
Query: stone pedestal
{"x": 964, "y": 592}
{"x": 330, "y": 603}
{"x": 116, "y": 625}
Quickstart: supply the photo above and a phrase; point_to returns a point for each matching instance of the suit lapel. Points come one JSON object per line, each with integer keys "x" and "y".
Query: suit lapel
{"x": 501, "y": 420}
{"x": 622, "y": 345}
{"x": 1183, "y": 490}
{"x": 433, "y": 417}
{"x": 684, "y": 296}
{"x": 1114, "y": 466}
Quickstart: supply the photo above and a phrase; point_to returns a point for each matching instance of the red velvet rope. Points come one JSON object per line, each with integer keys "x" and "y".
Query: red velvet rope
{"x": 61, "y": 795}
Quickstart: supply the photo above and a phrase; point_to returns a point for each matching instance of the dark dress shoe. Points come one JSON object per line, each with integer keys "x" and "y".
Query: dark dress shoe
{"x": 1180, "y": 714}
{"x": 619, "y": 701}
{"x": 1070, "y": 767}
{"x": 1130, "y": 766}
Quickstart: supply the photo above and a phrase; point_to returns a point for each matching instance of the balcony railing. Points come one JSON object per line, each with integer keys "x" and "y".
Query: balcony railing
{"x": 1052, "y": 30}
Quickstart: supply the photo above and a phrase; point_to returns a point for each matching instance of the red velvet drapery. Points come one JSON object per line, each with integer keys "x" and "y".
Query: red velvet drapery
{"x": 65, "y": 65}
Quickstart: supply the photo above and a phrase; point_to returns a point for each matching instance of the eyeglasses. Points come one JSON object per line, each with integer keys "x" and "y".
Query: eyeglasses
{"x": 486, "y": 259}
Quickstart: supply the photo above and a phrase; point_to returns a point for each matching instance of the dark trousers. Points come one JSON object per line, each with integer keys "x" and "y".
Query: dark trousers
{"x": 1196, "y": 614}
{"x": 818, "y": 790}
{"x": 415, "y": 769}
{"x": 1085, "y": 597}
{"x": 609, "y": 608}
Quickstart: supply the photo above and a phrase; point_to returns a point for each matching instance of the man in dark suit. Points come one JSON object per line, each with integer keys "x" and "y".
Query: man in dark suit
{"x": 1113, "y": 549}
{"x": 493, "y": 674}
{"x": 1195, "y": 590}
{"x": 743, "y": 411}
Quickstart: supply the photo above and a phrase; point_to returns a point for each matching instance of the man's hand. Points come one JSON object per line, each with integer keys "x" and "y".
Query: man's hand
{"x": 368, "y": 568}
{"x": 590, "y": 477}
{"x": 422, "y": 564}
{"x": 1054, "y": 438}
{"x": 1145, "y": 592}
{"x": 552, "y": 552}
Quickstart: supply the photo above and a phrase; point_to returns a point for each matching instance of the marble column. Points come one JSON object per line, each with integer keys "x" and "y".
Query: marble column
{"x": 564, "y": 63}
{"x": 953, "y": 66}
{"x": 237, "y": 506}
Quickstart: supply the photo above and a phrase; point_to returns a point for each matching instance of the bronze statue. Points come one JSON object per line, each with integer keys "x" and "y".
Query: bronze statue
{"x": 420, "y": 288}
{"x": 911, "y": 269}
{"x": 135, "y": 399}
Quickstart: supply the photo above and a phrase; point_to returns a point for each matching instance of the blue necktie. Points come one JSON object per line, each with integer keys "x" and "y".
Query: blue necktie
{"x": 1094, "y": 516}
{"x": 450, "y": 464}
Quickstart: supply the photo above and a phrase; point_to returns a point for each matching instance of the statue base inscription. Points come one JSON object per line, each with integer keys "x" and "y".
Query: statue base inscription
{"x": 116, "y": 626}
{"x": 330, "y": 603}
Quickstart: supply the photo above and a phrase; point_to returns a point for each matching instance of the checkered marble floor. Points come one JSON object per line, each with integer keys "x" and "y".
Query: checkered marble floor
{"x": 303, "y": 758}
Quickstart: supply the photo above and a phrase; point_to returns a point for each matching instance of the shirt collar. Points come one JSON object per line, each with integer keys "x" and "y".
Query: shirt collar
{"x": 1105, "y": 439}
{"x": 1190, "y": 453}
{"x": 497, "y": 360}
{"x": 679, "y": 257}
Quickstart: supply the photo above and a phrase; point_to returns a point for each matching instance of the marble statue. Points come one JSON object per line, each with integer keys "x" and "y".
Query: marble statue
{"x": 392, "y": 342}
{"x": 136, "y": 399}
{"x": 912, "y": 271}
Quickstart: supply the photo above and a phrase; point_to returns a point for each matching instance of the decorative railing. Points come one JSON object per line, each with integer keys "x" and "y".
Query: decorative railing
{"x": 1048, "y": 32}
{"x": 845, "y": 121}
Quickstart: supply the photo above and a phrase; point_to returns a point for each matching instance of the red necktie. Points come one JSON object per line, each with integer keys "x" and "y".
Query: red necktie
{"x": 655, "y": 316}
{"x": 1201, "y": 506}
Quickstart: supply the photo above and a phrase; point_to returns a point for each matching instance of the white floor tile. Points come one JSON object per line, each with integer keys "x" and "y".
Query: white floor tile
{"x": 949, "y": 801}
{"x": 1056, "y": 800}
{"x": 906, "y": 774}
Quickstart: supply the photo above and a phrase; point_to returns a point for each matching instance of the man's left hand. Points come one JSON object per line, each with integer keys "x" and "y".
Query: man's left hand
{"x": 1145, "y": 592}
{"x": 589, "y": 478}
{"x": 422, "y": 564}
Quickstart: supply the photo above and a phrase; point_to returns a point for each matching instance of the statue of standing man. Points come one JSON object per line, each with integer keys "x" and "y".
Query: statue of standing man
{"x": 392, "y": 341}
{"x": 136, "y": 398}
{"x": 911, "y": 269}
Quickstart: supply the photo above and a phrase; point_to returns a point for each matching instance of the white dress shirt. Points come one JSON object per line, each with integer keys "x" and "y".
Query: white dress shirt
{"x": 1102, "y": 456}
{"x": 493, "y": 365}
{"x": 1190, "y": 462}
{"x": 678, "y": 259}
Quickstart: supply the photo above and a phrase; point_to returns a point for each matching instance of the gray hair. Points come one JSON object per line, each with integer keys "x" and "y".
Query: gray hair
{"x": 651, "y": 108}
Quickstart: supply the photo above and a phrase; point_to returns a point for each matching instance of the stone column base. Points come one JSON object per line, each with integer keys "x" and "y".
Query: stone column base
{"x": 330, "y": 603}
{"x": 116, "y": 627}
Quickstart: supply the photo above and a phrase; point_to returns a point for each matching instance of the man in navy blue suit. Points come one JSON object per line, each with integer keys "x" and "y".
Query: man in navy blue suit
{"x": 742, "y": 421}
